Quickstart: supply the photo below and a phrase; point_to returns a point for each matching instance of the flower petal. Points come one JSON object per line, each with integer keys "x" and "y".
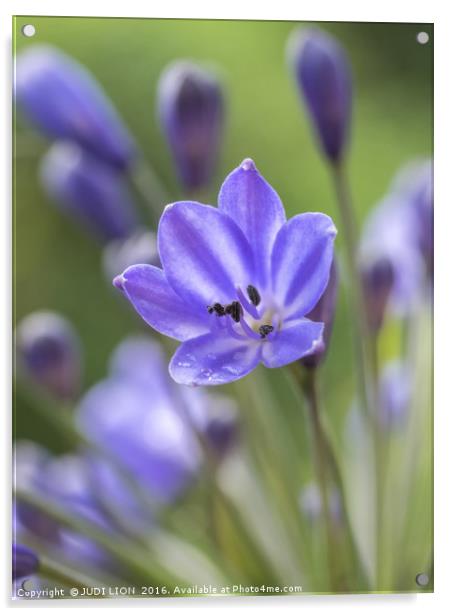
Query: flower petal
{"x": 204, "y": 254}
{"x": 295, "y": 340}
{"x": 214, "y": 359}
{"x": 301, "y": 262}
{"x": 146, "y": 287}
{"x": 257, "y": 209}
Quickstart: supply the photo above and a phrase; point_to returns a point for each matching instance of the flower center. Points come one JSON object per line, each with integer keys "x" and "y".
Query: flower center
{"x": 245, "y": 316}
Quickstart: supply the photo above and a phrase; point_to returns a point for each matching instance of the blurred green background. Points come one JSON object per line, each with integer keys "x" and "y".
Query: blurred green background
{"x": 57, "y": 266}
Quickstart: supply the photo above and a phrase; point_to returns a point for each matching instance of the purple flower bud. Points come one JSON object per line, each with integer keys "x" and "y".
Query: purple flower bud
{"x": 378, "y": 280}
{"x": 89, "y": 190}
{"x": 324, "y": 79}
{"x": 191, "y": 111}
{"x": 65, "y": 102}
{"x": 48, "y": 351}
{"x": 323, "y": 312}
{"x": 215, "y": 418}
{"x": 141, "y": 247}
{"x": 25, "y": 561}
{"x": 395, "y": 394}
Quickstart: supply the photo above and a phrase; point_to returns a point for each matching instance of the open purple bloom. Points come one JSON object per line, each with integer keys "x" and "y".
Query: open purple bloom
{"x": 48, "y": 351}
{"x": 25, "y": 561}
{"x": 237, "y": 281}
{"x": 65, "y": 102}
{"x": 190, "y": 105}
{"x": 324, "y": 80}
{"x": 88, "y": 190}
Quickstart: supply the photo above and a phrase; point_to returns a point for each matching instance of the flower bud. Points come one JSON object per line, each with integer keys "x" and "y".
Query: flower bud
{"x": 191, "y": 111}
{"x": 48, "y": 351}
{"x": 310, "y": 502}
{"x": 395, "y": 390}
{"x": 65, "y": 102}
{"x": 323, "y": 312}
{"x": 378, "y": 280}
{"x": 323, "y": 75}
{"x": 25, "y": 561}
{"x": 89, "y": 190}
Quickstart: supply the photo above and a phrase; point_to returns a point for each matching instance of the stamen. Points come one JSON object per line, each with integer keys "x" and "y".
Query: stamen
{"x": 264, "y": 330}
{"x": 235, "y": 310}
{"x": 217, "y": 308}
{"x": 248, "y": 331}
{"x": 253, "y": 294}
{"x": 230, "y": 327}
{"x": 250, "y": 309}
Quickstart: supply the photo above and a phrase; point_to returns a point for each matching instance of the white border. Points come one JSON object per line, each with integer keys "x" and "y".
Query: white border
{"x": 346, "y": 10}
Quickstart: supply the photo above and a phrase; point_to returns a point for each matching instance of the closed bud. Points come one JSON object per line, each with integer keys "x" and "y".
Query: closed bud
{"x": 48, "y": 352}
{"x": 324, "y": 80}
{"x": 88, "y": 190}
{"x": 323, "y": 312}
{"x": 191, "y": 111}
{"x": 395, "y": 392}
{"x": 64, "y": 101}
{"x": 378, "y": 281}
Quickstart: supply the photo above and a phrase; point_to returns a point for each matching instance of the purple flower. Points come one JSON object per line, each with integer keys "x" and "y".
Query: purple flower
{"x": 395, "y": 233}
{"x": 25, "y": 561}
{"x": 323, "y": 312}
{"x": 323, "y": 75}
{"x": 191, "y": 110}
{"x": 65, "y": 102}
{"x": 48, "y": 351}
{"x": 135, "y": 415}
{"x": 237, "y": 282}
{"x": 66, "y": 482}
{"x": 88, "y": 190}
{"x": 141, "y": 247}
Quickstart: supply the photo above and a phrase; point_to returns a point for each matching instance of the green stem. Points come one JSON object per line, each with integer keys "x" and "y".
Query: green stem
{"x": 365, "y": 353}
{"x": 328, "y": 470}
{"x": 64, "y": 575}
{"x": 127, "y": 555}
{"x": 149, "y": 187}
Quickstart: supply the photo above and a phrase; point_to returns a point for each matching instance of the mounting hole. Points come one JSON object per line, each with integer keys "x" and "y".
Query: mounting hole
{"x": 422, "y": 38}
{"x": 422, "y": 579}
{"x": 28, "y": 30}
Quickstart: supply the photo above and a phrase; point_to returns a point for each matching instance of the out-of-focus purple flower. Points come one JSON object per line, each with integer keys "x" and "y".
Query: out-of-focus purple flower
{"x": 395, "y": 394}
{"x": 191, "y": 110}
{"x": 64, "y": 101}
{"x": 310, "y": 501}
{"x": 323, "y": 312}
{"x": 323, "y": 75}
{"x": 135, "y": 415}
{"x": 48, "y": 351}
{"x": 25, "y": 561}
{"x": 237, "y": 281}
{"x": 395, "y": 234}
{"x": 140, "y": 247}
{"x": 89, "y": 190}
{"x": 378, "y": 281}
{"x": 66, "y": 482}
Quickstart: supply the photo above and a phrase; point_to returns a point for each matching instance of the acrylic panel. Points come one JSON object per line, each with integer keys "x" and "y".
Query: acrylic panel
{"x": 223, "y": 282}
